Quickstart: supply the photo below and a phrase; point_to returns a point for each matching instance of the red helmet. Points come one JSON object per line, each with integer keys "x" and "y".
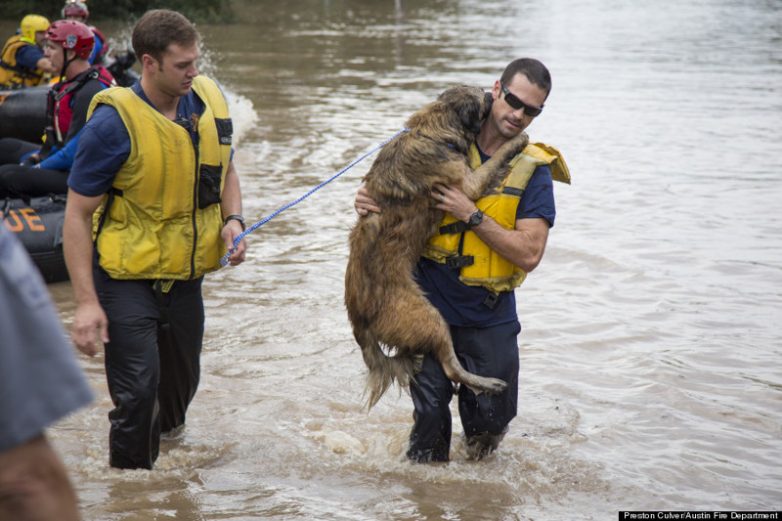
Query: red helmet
{"x": 72, "y": 35}
{"x": 78, "y": 9}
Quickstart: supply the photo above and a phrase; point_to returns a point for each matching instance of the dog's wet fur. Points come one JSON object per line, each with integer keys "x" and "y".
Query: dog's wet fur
{"x": 392, "y": 319}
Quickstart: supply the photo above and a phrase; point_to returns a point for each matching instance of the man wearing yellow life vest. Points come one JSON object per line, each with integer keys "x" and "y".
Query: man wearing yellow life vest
{"x": 155, "y": 161}
{"x": 22, "y": 63}
{"x": 483, "y": 251}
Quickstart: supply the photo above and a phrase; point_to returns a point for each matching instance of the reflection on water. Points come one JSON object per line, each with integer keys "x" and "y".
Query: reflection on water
{"x": 650, "y": 350}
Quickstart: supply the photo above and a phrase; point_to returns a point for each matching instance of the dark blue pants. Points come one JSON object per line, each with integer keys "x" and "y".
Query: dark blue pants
{"x": 491, "y": 351}
{"x": 18, "y": 181}
{"x": 23, "y": 182}
{"x": 152, "y": 362}
{"x": 12, "y": 150}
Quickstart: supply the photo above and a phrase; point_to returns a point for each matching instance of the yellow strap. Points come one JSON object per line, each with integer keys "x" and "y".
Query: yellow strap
{"x": 542, "y": 152}
{"x": 553, "y": 157}
{"x": 164, "y": 285}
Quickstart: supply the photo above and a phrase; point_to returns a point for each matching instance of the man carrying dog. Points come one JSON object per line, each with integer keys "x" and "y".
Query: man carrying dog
{"x": 155, "y": 161}
{"x": 483, "y": 251}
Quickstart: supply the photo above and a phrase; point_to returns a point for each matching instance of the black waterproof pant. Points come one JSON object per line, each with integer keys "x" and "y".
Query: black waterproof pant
{"x": 23, "y": 182}
{"x": 152, "y": 362}
{"x": 18, "y": 181}
{"x": 12, "y": 150}
{"x": 491, "y": 351}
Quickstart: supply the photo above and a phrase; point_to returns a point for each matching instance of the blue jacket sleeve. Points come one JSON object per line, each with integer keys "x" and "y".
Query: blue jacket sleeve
{"x": 28, "y": 56}
{"x": 62, "y": 159}
{"x": 95, "y": 50}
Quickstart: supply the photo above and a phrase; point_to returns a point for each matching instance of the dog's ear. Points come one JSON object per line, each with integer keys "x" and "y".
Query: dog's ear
{"x": 466, "y": 103}
{"x": 469, "y": 110}
{"x": 470, "y": 113}
{"x": 488, "y": 101}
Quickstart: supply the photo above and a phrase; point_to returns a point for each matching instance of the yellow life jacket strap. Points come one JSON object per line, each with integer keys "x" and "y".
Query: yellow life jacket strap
{"x": 551, "y": 156}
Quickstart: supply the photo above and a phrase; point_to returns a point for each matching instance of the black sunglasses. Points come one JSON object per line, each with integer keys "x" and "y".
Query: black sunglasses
{"x": 517, "y": 104}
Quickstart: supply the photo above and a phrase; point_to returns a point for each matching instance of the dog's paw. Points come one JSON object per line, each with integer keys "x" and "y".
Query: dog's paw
{"x": 495, "y": 385}
{"x": 486, "y": 385}
{"x": 518, "y": 143}
{"x": 512, "y": 148}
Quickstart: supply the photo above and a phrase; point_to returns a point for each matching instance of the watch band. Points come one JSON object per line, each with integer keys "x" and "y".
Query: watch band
{"x": 235, "y": 217}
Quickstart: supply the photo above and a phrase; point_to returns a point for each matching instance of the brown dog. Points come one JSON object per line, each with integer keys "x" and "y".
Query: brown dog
{"x": 385, "y": 305}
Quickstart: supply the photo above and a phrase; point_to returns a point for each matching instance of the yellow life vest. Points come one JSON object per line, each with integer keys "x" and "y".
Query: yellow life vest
{"x": 163, "y": 217}
{"x": 460, "y": 248}
{"x": 11, "y": 73}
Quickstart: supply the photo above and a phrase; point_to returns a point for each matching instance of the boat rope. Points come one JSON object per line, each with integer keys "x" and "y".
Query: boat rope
{"x": 281, "y": 209}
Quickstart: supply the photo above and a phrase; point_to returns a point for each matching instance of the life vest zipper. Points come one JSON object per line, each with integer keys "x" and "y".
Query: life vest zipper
{"x": 195, "y": 205}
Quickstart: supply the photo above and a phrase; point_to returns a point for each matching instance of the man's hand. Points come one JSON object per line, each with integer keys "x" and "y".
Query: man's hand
{"x": 452, "y": 200}
{"x": 364, "y": 202}
{"x": 229, "y": 233}
{"x": 31, "y": 160}
{"x": 90, "y": 328}
{"x": 45, "y": 64}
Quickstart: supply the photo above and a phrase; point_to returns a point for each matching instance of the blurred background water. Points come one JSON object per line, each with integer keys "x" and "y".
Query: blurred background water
{"x": 650, "y": 375}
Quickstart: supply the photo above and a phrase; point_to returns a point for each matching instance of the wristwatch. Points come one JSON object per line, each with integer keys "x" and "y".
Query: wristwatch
{"x": 235, "y": 217}
{"x": 475, "y": 219}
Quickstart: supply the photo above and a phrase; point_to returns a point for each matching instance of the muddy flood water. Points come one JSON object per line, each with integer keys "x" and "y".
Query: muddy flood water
{"x": 650, "y": 353}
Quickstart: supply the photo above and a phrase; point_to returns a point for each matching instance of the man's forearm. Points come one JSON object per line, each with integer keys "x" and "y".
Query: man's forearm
{"x": 78, "y": 250}
{"x": 34, "y": 483}
{"x": 231, "y": 200}
{"x": 523, "y": 247}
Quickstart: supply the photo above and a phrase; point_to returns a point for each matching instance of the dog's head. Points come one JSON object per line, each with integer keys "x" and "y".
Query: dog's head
{"x": 470, "y": 104}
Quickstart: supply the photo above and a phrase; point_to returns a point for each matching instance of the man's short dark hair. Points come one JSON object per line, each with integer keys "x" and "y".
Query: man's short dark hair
{"x": 159, "y": 28}
{"x": 534, "y": 70}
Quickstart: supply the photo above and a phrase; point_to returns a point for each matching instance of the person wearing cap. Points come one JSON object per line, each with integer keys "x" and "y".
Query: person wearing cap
{"x": 22, "y": 61}
{"x": 481, "y": 252}
{"x": 30, "y": 169}
{"x": 155, "y": 168}
{"x": 78, "y": 11}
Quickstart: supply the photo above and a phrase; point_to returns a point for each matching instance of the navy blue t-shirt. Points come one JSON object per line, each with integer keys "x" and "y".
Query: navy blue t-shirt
{"x": 462, "y": 305}
{"x": 104, "y": 144}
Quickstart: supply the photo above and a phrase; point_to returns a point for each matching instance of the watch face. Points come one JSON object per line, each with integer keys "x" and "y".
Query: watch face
{"x": 476, "y": 218}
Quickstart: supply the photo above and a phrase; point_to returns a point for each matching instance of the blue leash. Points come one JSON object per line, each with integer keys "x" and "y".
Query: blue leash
{"x": 278, "y": 211}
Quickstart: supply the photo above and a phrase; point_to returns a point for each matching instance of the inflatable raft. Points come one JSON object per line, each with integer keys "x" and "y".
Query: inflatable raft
{"x": 23, "y": 113}
{"x": 39, "y": 227}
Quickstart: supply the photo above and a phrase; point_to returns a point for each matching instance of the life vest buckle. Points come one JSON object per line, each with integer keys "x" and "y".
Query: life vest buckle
{"x": 491, "y": 300}
{"x": 454, "y": 227}
{"x": 459, "y": 261}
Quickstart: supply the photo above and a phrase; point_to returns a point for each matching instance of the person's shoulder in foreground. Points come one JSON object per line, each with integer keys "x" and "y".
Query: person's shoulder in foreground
{"x": 40, "y": 380}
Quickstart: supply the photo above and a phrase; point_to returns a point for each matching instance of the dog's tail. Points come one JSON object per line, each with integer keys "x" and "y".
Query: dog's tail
{"x": 383, "y": 369}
